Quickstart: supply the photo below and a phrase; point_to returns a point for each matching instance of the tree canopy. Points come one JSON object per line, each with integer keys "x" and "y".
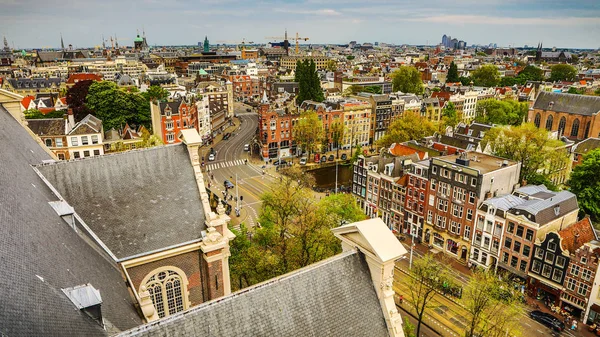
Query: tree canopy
{"x": 408, "y": 80}
{"x": 308, "y": 131}
{"x": 76, "y": 96}
{"x": 37, "y": 114}
{"x": 563, "y": 72}
{"x": 309, "y": 84}
{"x": 155, "y": 93}
{"x": 450, "y": 115}
{"x": 486, "y": 76}
{"x": 115, "y": 106}
{"x": 407, "y": 127}
{"x": 585, "y": 183}
{"x": 529, "y": 145}
{"x": 501, "y": 112}
{"x": 452, "y": 73}
{"x": 530, "y": 73}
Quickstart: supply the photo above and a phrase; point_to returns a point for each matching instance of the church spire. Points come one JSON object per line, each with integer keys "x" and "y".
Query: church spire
{"x": 62, "y": 43}
{"x": 6, "y": 47}
{"x": 264, "y": 99}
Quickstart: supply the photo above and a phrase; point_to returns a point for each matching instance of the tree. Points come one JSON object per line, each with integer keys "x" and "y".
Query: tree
{"x": 115, "y": 107}
{"x": 508, "y": 81}
{"x": 563, "y": 72}
{"x": 529, "y": 145}
{"x": 597, "y": 92}
{"x": 426, "y": 277}
{"x": 585, "y": 183}
{"x": 486, "y": 76}
{"x": 309, "y": 84}
{"x": 449, "y": 115}
{"x": 76, "y": 96}
{"x": 501, "y": 112}
{"x": 37, "y": 114}
{"x": 308, "y": 131}
{"x": 156, "y": 93}
{"x": 331, "y": 65}
{"x": 407, "y": 127}
{"x": 465, "y": 80}
{"x": 408, "y": 80}
{"x": 530, "y": 73}
{"x": 452, "y": 76}
{"x": 373, "y": 89}
{"x": 337, "y": 130}
{"x": 493, "y": 304}
{"x": 573, "y": 90}
{"x": 350, "y": 57}
{"x": 352, "y": 90}
{"x": 408, "y": 328}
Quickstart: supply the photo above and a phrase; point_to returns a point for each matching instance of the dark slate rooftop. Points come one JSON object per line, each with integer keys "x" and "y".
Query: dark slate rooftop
{"x": 571, "y": 103}
{"x": 335, "y": 297}
{"x": 135, "y": 202}
{"x": 587, "y": 145}
{"x": 47, "y": 126}
{"x": 41, "y": 254}
{"x": 543, "y": 205}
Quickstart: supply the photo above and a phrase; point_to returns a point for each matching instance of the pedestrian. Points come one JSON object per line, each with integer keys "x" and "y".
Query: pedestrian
{"x": 574, "y": 325}
{"x": 401, "y": 299}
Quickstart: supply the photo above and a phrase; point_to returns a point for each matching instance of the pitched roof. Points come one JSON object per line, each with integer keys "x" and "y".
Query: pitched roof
{"x": 135, "y": 202}
{"x": 545, "y": 206}
{"x": 335, "y": 297}
{"x": 47, "y": 126}
{"x": 42, "y": 254}
{"x": 587, "y": 145}
{"x": 571, "y": 103}
{"x": 577, "y": 235}
{"x": 89, "y": 124}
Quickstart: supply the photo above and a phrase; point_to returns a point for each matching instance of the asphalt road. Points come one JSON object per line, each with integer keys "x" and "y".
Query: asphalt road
{"x": 425, "y": 330}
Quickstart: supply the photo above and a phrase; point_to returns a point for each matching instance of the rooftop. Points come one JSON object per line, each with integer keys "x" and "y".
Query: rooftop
{"x": 571, "y": 103}
{"x": 485, "y": 163}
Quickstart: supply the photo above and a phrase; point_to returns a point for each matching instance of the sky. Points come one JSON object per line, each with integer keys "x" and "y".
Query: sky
{"x": 82, "y": 23}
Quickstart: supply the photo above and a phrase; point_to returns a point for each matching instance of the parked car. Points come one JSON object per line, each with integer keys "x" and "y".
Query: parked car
{"x": 323, "y": 159}
{"x": 246, "y": 147}
{"x": 248, "y": 110}
{"x": 212, "y": 150}
{"x": 228, "y": 184}
{"x": 344, "y": 156}
{"x": 303, "y": 161}
{"x": 211, "y": 157}
{"x": 226, "y": 136}
{"x": 547, "y": 320}
{"x": 331, "y": 157}
{"x": 280, "y": 162}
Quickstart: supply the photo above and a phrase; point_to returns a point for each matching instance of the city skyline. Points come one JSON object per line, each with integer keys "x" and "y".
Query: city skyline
{"x": 183, "y": 22}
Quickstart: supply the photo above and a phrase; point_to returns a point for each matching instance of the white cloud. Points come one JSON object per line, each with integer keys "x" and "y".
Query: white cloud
{"x": 494, "y": 20}
{"x": 324, "y": 12}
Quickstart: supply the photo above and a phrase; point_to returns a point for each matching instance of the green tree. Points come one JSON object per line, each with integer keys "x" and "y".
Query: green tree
{"x": 408, "y": 80}
{"x": 337, "y": 134}
{"x": 501, "y": 112}
{"x": 585, "y": 183}
{"x": 450, "y": 116}
{"x": 309, "y": 84}
{"x": 426, "y": 277}
{"x": 465, "y": 80}
{"x": 115, "y": 107}
{"x": 530, "y": 73}
{"x": 37, "y": 114}
{"x": 350, "y": 57}
{"x": 308, "y": 131}
{"x": 597, "y": 92}
{"x": 452, "y": 76}
{"x": 508, "y": 81}
{"x": 352, "y": 90}
{"x": 486, "y": 76}
{"x": 563, "y": 72}
{"x": 373, "y": 89}
{"x": 493, "y": 304}
{"x": 156, "y": 93}
{"x": 407, "y": 127}
{"x": 529, "y": 145}
{"x": 331, "y": 65}
{"x": 573, "y": 90}
{"x": 408, "y": 328}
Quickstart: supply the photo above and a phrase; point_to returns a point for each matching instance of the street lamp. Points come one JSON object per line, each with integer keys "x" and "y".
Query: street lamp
{"x": 412, "y": 245}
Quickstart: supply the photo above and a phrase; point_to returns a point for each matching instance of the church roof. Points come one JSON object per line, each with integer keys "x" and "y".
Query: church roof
{"x": 42, "y": 254}
{"x": 135, "y": 202}
{"x": 570, "y": 103}
{"x": 335, "y": 297}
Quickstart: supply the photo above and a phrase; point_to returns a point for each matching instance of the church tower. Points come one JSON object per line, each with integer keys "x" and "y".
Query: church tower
{"x": 538, "y": 53}
{"x": 206, "y": 45}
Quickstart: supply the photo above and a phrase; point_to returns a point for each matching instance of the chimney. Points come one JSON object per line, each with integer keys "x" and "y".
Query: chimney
{"x": 70, "y": 120}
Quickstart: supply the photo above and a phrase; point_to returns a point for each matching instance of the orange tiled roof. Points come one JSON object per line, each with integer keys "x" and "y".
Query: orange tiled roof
{"x": 26, "y": 101}
{"x": 83, "y": 77}
{"x": 403, "y": 150}
{"x": 576, "y": 235}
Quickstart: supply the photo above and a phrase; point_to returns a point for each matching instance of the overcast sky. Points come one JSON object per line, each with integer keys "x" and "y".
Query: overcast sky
{"x": 561, "y": 23}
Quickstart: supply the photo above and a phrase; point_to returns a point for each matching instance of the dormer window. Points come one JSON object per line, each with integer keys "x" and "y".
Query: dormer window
{"x": 550, "y": 105}
{"x": 556, "y": 210}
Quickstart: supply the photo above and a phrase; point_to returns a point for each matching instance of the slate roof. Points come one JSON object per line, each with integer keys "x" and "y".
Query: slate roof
{"x": 25, "y": 83}
{"x": 89, "y": 124}
{"x": 135, "y": 202}
{"x": 335, "y": 297}
{"x": 542, "y": 211}
{"x": 571, "y": 103}
{"x": 47, "y": 126}
{"x": 577, "y": 235}
{"x": 587, "y": 145}
{"x": 41, "y": 254}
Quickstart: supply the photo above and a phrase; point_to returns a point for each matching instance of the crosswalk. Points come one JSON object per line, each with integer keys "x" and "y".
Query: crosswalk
{"x": 216, "y": 166}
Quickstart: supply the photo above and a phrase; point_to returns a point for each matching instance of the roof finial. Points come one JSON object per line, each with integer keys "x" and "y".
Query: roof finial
{"x": 265, "y": 100}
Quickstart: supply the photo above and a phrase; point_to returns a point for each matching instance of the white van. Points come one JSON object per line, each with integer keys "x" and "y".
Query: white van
{"x": 303, "y": 161}
{"x": 246, "y": 147}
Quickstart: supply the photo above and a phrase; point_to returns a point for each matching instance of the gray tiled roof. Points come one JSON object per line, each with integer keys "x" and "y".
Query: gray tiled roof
{"x": 587, "y": 145}
{"x": 571, "y": 103}
{"x": 47, "y": 126}
{"x": 505, "y": 202}
{"x": 333, "y": 298}
{"x": 136, "y": 201}
{"x": 41, "y": 254}
{"x": 544, "y": 210}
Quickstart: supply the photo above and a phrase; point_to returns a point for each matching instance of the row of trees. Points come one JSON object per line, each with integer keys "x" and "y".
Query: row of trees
{"x": 294, "y": 231}
{"x": 312, "y": 137}
{"x": 407, "y": 127}
{"x": 493, "y": 302}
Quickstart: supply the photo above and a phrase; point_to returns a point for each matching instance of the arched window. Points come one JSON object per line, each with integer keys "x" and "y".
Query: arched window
{"x": 168, "y": 290}
{"x": 49, "y": 142}
{"x": 575, "y": 128}
{"x": 587, "y": 130}
{"x": 537, "y": 120}
{"x": 561, "y": 126}
{"x": 549, "y": 122}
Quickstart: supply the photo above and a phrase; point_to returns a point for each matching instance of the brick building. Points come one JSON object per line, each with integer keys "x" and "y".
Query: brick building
{"x": 275, "y": 130}
{"x": 169, "y": 118}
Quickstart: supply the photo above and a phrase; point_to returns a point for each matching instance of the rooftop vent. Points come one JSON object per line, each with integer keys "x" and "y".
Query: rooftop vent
{"x": 462, "y": 159}
{"x": 87, "y": 298}
{"x": 550, "y": 104}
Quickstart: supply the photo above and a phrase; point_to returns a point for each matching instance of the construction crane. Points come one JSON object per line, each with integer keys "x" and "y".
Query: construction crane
{"x": 285, "y": 39}
{"x": 237, "y": 43}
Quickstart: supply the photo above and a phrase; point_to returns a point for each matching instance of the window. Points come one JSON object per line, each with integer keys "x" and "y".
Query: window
{"x": 526, "y": 250}
{"x": 561, "y": 126}
{"x": 457, "y": 211}
{"x": 84, "y": 140}
{"x": 523, "y": 266}
{"x": 169, "y": 125}
{"x": 476, "y": 254}
{"x": 514, "y": 261}
{"x": 505, "y": 257}
{"x": 549, "y": 122}
{"x": 546, "y": 271}
{"x": 587, "y": 130}
{"x": 508, "y": 243}
{"x": 557, "y": 275}
{"x": 536, "y": 266}
{"x": 76, "y": 154}
{"x": 96, "y": 152}
{"x": 467, "y": 232}
{"x": 511, "y": 227}
{"x": 434, "y": 170}
{"x": 549, "y": 257}
{"x": 429, "y": 217}
{"x": 586, "y": 274}
{"x": 575, "y": 270}
{"x": 471, "y": 197}
{"x": 537, "y": 120}
{"x": 583, "y": 260}
{"x": 61, "y": 156}
{"x": 74, "y": 141}
{"x": 170, "y": 137}
{"x": 583, "y": 289}
{"x": 49, "y": 142}
{"x": 560, "y": 261}
{"x": 486, "y": 242}
{"x": 168, "y": 292}
{"x": 571, "y": 283}
{"x": 520, "y": 230}
{"x": 94, "y": 139}
{"x": 539, "y": 253}
{"x": 58, "y": 142}
{"x": 529, "y": 235}
{"x": 575, "y": 128}
{"x": 517, "y": 247}
{"x": 86, "y": 153}
{"x": 433, "y": 184}
{"x": 552, "y": 246}
{"x": 473, "y": 181}
{"x": 469, "y": 214}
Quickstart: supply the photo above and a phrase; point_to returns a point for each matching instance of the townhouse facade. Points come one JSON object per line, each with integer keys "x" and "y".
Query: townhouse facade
{"x": 169, "y": 118}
